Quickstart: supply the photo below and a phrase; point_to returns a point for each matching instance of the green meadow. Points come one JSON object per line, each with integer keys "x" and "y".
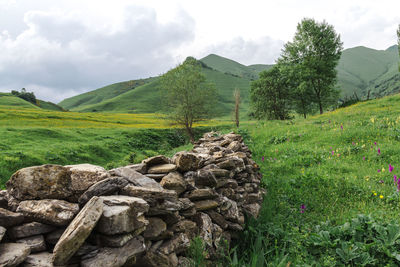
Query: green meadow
{"x": 331, "y": 196}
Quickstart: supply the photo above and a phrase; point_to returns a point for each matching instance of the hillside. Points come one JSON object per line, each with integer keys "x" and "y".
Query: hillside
{"x": 360, "y": 70}
{"x": 7, "y": 99}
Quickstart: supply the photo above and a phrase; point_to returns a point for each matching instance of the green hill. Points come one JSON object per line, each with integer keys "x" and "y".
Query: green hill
{"x": 7, "y": 99}
{"x": 360, "y": 70}
{"x": 102, "y": 94}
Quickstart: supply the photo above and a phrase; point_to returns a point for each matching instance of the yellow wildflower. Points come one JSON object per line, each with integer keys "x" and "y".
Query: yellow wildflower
{"x": 375, "y": 193}
{"x": 380, "y": 196}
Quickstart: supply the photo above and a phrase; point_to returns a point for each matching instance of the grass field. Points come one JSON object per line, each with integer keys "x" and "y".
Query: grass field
{"x": 32, "y": 136}
{"x": 321, "y": 174}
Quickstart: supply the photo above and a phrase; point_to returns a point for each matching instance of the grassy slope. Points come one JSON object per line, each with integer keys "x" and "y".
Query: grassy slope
{"x": 259, "y": 67}
{"x": 33, "y": 136}
{"x": 10, "y": 100}
{"x": 146, "y": 98}
{"x": 336, "y": 173}
{"x": 50, "y": 106}
{"x": 102, "y": 94}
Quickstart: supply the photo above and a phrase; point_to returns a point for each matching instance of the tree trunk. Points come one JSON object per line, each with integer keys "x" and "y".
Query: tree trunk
{"x": 189, "y": 131}
{"x": 320, "y": 107}
{"x": 305, "y": 115}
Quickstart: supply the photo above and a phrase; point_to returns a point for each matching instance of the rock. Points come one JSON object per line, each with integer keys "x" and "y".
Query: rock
{"x": 137, "y": 178}
{"x": 186, "y": 226}
{"x": 119, "y": 240}
{"x": 229, "y": 209}
{"x": 9, "y": 218}
{"x": 204, "y": 225}
{"x": 149, "y": 194}
{"x": 186, "y": 161}
{"x": 227, "y": 183}
{"x": 42, "y": 259}
{"x": 171, "y": 218}
{"x": 2, "y": 232}
{"x": 105, "y": 187}
{"x": 40, "y": 182}
{"x": 13, "y": 203}
{"x": 252, "y": 209}
{"x": 12, "y": 254}
{"x": 155, "y": 228}
{"x": 184, "y": 262}
{"x": 141, "y": 167}
{"x": 219, "y": 173}
{"x": 217, "y": 218}
{"x": 78, "y": 230}
{"x": 162, "y": 168}
{"x": 174, "y": 181}
{"x": 205, "y": 204}
{"x": 165, "y": 207}
{"x": 156, "y": 160}
{"x": 232, "y": 163}
{"x": 29, "y": 229}
{"x": 201, "y": 194}
{"x": 53, "y": 237}
{"x": 227, "y": 192}
{"x": 83, "y": 176}
{"x": 205, "y": 178}
{"x": 36, "y": 243}
{"x": 86, "y": 249}
{"x": 116, "y": 257}
{"x": 3, "y": 199}
{"x": 233, "y": 137}
{"x": 122, "y": 214}
{"x": 156, "y": 176}
{"x": 235, "y": 146}
{"x": 234, "y": 226}
{"x": 155, "y": 259}
{"x": 177, "y": 244}
{"x": 50, "y": 211}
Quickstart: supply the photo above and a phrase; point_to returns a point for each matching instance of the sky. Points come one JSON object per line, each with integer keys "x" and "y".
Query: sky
{"x": 61, "y": 48}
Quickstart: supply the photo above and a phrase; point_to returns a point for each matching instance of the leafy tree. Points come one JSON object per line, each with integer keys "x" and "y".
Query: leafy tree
{"x": 315, "y": 52}
{"x": 28, "y": 96}
{"x": 270, "y": 95}
{"x": 187, "y": 96}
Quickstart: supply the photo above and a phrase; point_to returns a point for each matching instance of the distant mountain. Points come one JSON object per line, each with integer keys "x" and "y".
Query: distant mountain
{"x": 360, "y": 70}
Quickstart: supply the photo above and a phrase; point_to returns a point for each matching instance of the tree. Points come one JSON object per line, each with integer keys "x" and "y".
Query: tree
{"x": 28, "y": 96}
{"x": 315, "y": 51}
{"x": 270, "y": 95}
{"x": 236, "y": 95}
{"x": 187, "y": 95}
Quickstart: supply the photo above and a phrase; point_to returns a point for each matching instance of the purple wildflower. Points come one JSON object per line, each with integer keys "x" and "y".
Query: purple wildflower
{"x": 379, "y": 170}
{"x": 364, "y": 158}
{"x": 353, "y": 143}
{"x": 395, "y": 178}
{"x": 333, "y": 152}
{"x": 391, "y": 168}
{"x": 379, "y": 151}
{"x": 341, "y": 127}
{"x": 381, "y": 181}
{"x": 262, "y": 158}
{"x": 374, "y": 143}
{"x": 302, "y": 208}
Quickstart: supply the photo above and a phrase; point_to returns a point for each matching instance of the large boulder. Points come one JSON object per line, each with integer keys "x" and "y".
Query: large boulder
{"x": 40, "y": 182}
{"x": 78, "y": 230}
{"x": 50, "y": 211}
{"x": 12, "y": 254}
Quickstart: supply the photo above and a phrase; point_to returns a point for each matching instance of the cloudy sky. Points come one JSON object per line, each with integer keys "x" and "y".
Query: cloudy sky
{"x": 60, "y": 48}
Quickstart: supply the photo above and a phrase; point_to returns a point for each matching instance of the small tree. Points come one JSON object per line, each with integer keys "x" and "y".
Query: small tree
{"x": 270, "y": 95}
{"x": 236, "y": 95}
{"x": 188, "y": 97}
{"x": 315, "y": 50}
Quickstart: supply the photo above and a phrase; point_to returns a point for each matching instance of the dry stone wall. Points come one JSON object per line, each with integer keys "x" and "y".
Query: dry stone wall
{"x": 138, "y": 215}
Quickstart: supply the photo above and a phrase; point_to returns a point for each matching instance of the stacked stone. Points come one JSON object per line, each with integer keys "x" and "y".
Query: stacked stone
{"x": 138, "y": 215}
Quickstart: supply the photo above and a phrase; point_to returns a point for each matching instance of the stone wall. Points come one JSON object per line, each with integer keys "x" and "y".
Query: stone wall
{"x": 138, "y": 215}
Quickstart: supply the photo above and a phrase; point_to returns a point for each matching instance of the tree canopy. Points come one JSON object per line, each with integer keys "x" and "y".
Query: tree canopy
{"x": 187, "y": 95}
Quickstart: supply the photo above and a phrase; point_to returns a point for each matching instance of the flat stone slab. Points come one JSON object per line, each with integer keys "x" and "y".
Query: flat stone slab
{"x": 50, "y": 211}
{"x": 9, "y": 218}
{"x": 206, "y": 204}
{"x": 136, "y": 178}
{"x": 116, "y": 257}
{"x": 150, "y": 195}
{"x": 104, "y": 187}
{"x": 30, "y": 229}
{"x": 36, "y": 243}
{"x": 160, "y": 159}
{"x": 42, "y": 259}
{"x": 12, "y": 254}
{"x": 119, "y": 240}
{"x": 78, "y": 230}
{"x": 162, "y": 168}
{"x": 201, "y": 194}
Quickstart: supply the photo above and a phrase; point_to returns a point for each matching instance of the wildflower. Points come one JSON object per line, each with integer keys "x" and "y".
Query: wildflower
{"x": 381, "y": 181}
{"x": 374, "y": 143}
{"x": 353, "y": 143}
{"x": 379, "y": 170}
{"x": 395, "y": 178}
{"x": 302, "y": 208}
{"x": 375, "y": 193}
{"x": 333, "y": 152}
{"x": 380, "y": 196}
{"x": 364, "y": 158}
{"x": 262, "y": 158}
{"x": 379, "y": 151}
{"x": 341, "y": 127}
{"x": 383, "y": 169}
{"x": 391, "y": 168}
